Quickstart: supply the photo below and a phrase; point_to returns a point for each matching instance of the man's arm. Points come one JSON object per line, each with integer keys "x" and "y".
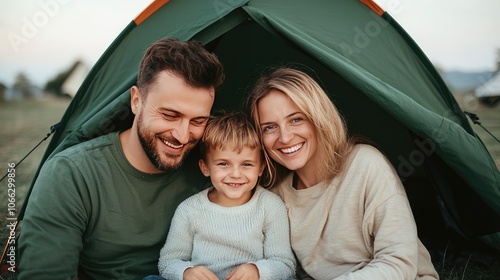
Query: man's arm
{"x": 51, "y": 234}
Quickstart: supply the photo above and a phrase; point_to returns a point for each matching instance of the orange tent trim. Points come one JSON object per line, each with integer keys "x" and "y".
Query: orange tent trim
{"x": 372, "y": 5}
{"x": 151, "y": 9}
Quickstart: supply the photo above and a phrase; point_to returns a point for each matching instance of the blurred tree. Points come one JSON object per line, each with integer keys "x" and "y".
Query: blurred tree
{"x": 2, "y": 92}
{"x": 22, "y": 87}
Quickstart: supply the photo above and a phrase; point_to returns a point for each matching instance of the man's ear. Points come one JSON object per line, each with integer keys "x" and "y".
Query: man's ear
{"x": 135, "y": 99}
{"x": 203, "y": 168}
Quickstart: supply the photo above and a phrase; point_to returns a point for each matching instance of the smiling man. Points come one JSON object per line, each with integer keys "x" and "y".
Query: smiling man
{"x": 101, "y": 209}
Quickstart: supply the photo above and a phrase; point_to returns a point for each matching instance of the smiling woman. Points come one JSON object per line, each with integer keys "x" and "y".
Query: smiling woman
{"x": 359, "y": 220}
{"x": 290, "y": 137}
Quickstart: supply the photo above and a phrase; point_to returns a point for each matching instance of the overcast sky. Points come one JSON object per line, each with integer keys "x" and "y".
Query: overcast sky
{"x": 454, "y": 34}
{"x": 44, "y": 37}
{"x": 59, "y": 32}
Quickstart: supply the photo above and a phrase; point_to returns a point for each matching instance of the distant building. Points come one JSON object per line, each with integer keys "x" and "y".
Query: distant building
{"x": 489, "y": 92}
{"x": 69, "y": 81}
{"x": 74, "y": 80}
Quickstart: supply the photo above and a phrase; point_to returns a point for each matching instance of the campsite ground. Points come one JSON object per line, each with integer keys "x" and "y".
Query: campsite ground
{"x": 24, "y": 124}
{"x": 489, "y": 117}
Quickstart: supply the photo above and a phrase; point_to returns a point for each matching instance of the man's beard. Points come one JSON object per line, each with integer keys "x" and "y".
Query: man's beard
{"x": 148, "y": 143}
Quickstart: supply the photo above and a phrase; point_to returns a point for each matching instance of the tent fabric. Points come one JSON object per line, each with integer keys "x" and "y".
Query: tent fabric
{"x": 151, "y": 9}
{"x": 378, "y": 77}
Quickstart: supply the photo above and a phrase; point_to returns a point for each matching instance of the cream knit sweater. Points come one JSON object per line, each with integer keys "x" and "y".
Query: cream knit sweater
{"x": 221, "y": 238}
{"x": 358, "y": 226}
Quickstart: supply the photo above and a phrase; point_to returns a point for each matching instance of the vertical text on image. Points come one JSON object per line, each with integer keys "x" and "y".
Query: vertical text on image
{"x": 11, "y": 216}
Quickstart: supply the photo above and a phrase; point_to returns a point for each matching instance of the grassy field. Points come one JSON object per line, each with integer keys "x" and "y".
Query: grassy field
{"x": 24, "y": 124}
{"x": 490, "y": 120}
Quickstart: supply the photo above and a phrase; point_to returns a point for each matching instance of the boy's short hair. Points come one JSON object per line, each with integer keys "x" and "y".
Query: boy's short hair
{"x": 229, "y": 130}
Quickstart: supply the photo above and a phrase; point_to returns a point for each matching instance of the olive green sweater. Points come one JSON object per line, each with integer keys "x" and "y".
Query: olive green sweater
{"x": 92, "y": 215}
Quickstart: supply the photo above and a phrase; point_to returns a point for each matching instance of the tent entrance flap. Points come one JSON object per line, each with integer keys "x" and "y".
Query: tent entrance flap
{"x": 249, "y": 49}
{"x": 245, "y": 57}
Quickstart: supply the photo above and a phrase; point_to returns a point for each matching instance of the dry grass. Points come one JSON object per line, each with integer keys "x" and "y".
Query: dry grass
{"x": 23, "y": 125}
{"x": 462, "y": 263}
{"x": 489, "y": 117}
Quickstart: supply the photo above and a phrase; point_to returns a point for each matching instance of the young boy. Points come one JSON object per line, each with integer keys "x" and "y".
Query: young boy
{"x": 234, "y": 228}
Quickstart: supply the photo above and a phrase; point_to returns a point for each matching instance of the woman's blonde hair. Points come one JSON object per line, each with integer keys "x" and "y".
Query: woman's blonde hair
{"x": 333, "y": 142}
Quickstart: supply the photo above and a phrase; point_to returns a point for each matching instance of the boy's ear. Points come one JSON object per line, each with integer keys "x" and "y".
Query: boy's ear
{"x": 203, "y": 168}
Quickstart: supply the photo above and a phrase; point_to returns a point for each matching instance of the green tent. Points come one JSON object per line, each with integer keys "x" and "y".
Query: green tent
{"x": 374, "y": 72}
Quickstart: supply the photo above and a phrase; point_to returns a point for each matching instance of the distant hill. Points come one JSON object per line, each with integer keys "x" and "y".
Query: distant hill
{"x": 464, "y": 81}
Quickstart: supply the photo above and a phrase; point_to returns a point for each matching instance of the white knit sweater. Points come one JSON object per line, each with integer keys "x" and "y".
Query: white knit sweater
{"x": 221, "y": 238}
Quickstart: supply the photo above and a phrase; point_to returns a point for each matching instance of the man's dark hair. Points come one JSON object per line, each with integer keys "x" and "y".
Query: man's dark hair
{"x": 188, "y": 59}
